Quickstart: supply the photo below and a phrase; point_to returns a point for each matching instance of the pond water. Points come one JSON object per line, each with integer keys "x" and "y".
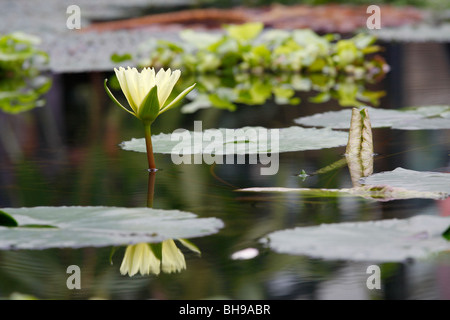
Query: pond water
{"x": 67, "y": 154}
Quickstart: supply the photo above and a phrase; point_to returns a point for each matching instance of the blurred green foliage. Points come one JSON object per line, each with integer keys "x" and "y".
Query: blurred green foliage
{"x": 245, "y": 65}
{"x": 246, "y": 48}
{"x": 227, "y": 92}
{"x": 21, "y": 64}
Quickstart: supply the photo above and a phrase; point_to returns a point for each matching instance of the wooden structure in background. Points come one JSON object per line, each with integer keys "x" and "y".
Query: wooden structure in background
{"x": 324, "y": 18}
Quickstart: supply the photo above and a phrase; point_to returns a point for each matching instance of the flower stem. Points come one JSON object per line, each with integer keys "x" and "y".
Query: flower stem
{"x": 151, "y": 188}
{"x": 148, "y": 143}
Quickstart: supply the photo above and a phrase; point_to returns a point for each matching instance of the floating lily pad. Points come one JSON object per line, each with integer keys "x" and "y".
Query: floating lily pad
{"x": 246, "y": 140}
{"x": 385, "y": 186}
{"x": 384, "y": 193}
{"x": 390, "y": 240}
{"x": 419, "y": 118}
{"x": 422, "y": 181}
{"x": 75, "y": 227}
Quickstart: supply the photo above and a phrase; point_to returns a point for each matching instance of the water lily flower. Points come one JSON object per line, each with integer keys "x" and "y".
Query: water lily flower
{"x": 172, "y": 258}
{"x": 147, "y": 258}
{"x": 139, "y": 257}
{"x": 147, "y": 93}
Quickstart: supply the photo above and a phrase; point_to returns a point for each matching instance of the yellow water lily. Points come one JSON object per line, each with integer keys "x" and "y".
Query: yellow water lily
{"x": 147, "y": 93}
{"x": 147, "y": 258}
{"x": 172, "y": 258}
{"x": 139, "y": 258}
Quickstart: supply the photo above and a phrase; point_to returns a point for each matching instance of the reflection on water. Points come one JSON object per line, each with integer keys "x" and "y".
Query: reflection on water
{"x": 86, "y": 167}
{"x": 229, "y": 91}
{"x": 142, "y": 257}
{"x": 151, "y": 258}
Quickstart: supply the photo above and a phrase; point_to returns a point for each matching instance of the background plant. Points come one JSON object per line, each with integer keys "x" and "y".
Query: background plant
{"x": 245, "y": 64}
{"x": 248, "y": 48}
{"x": 21, "y": 81}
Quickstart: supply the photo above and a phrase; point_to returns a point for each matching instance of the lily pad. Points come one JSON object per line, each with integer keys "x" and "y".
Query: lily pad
{"x": 246, "y": 140}
{"x": 385, "y": 186}
{"x": 419, "y": 118}
{"x": 383, "y": 193}
{"x": 75, "y": 227}
{"x": 392, "y": 240}
{"x": 423, "y": 181}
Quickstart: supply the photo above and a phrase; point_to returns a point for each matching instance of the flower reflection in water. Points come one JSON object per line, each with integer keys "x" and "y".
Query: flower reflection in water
{"x": 149, "y": 258}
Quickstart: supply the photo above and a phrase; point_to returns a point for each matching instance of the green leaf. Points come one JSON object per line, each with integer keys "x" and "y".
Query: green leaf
{"x": 320, "y": 98}
{"x": 111, "y": 254}
{"x": 221, "y": 102}
{"x": 188, "y": 244}
{"x": 77, "y": 227}
{"x": 446, "y": 234}
{"x": 157, "y": 249}
{"x": 6, "y": 220}
{"x": 246, "y": 31}
{"x": 117, "y": 58}
{"x": 37, "y": 226}
{"x": 347, "y": 52}
{"x": 115, "y": 100}
{"x": 149, "y": 109}
{"x": 201, "y": 40}
{"x": 177, "y": 99}
{"x": 331, "y": 167}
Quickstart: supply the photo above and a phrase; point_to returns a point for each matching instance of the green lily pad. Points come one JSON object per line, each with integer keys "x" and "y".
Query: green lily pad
{"x": 419, "y": 118}
{"x": 246, "y": 140}
{"x": 75, "y": 227}
{"x": 392, "y": 240}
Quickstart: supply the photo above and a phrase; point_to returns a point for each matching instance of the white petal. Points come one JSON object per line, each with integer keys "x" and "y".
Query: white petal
{"x": 121, "y": 77}
{"x": 132, "y": 82}
{"x": 165, "y": 83}
{"x": 125, "y": 267}
{"x": 144, "y": 267}
{"x": 144, "y": 82}
{"x": 136, "y": 260}
{"x": 172, "y": 258}
{"x": 154, "y": 264}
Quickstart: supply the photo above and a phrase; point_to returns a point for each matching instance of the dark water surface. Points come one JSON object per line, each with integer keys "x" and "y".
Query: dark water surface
{"x": 67, "y": 154}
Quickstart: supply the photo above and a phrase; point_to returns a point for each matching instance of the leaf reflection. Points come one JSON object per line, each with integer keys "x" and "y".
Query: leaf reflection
{"x": 230, "y": 91}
